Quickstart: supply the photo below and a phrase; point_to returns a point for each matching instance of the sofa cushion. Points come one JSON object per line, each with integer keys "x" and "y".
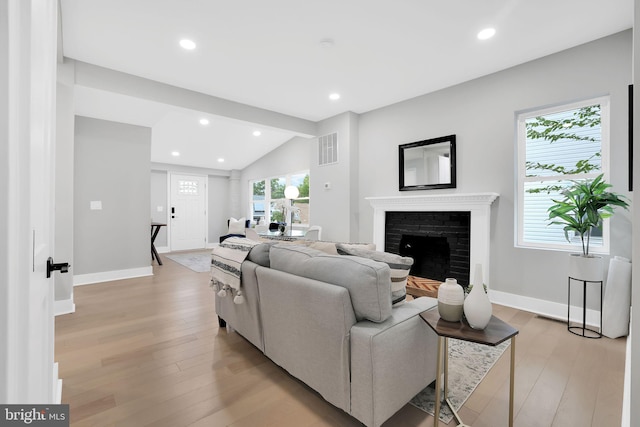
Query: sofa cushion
{"x": 260, "y": 254}
{"x": 367, "y": 281}
{"x": 399, "y": 266}
{"x": 237, "y": 226}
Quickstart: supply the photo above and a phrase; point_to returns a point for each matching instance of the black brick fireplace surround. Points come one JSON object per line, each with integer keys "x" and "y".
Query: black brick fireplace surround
{"x": 439, "y": 242}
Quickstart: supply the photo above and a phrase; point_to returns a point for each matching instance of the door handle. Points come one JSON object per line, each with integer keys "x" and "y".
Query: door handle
{"x": 63, "y": 267}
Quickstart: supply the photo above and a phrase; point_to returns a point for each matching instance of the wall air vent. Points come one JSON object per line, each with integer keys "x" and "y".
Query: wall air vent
{"x": 328, "y": 149}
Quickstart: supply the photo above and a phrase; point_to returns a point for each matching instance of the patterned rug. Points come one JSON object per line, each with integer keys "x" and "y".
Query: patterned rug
{"x": 197, "y": 261}
{"x": 468, "y": 365}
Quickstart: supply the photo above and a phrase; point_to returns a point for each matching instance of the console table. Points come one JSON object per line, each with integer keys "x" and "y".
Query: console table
{"x": 155, "y": 229}
{"x": 495, "y": 333}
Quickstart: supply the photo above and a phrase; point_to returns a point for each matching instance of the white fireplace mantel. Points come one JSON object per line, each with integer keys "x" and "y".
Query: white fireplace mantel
{"x": 479, "y": 204}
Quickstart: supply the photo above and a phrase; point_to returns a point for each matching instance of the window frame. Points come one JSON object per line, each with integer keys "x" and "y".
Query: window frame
{"x": 522, "y": 179}
{"x": 268, "y": 200}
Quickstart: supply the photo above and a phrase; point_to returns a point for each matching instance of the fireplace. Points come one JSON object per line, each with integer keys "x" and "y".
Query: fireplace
{"x": 477, "y": 208}
{"x": 438, "y": 242}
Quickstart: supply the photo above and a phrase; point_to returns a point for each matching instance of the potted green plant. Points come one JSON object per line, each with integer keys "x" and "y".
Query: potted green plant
{"x": 585, "y": 205}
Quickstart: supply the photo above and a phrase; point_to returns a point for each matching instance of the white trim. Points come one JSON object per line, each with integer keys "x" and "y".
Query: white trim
{"x": 57, "y": 385}
{"x": 65, "y": 306}
{"x": 626, "y": 397}
{"x": 108, "y": 276}
{"x": 163, "y": 249}
{"x": 552, "y": 310}
{"x": 479, "y": 204}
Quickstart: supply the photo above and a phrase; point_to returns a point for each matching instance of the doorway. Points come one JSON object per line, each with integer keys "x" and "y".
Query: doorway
{"x": 187, "y": 212}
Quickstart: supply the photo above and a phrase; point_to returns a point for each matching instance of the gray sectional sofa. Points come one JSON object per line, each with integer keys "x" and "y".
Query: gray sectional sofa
{"x": 329, "y": 321}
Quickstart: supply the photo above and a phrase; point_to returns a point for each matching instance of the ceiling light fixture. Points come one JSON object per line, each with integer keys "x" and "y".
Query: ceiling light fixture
{"x": 486, "y": 34}
{"x": 257, "y": 133}
{"x": 204, "y": 122}
{"x": 187, "y": 44}
{"x": 220, "y": 160}
{"x": 334, "y": 96}
{"x": 175, "y": 153}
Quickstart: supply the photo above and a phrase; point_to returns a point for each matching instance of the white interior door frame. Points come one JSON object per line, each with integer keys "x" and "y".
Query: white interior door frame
{"x": 27, "y": 119}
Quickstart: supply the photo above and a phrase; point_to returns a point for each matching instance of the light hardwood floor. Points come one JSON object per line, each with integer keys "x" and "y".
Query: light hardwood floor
{"x": 148, "y": 351}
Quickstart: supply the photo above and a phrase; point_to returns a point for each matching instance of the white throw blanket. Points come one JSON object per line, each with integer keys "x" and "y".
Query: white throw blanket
{"x": 226, "y": 263}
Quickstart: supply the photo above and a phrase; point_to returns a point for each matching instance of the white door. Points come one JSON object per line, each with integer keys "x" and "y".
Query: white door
{"x": 26, "y": 359}
{"x": 187, "y": 212}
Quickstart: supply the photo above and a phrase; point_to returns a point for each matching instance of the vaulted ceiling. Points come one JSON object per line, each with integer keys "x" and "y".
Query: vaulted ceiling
{"x": 288, "y": 56}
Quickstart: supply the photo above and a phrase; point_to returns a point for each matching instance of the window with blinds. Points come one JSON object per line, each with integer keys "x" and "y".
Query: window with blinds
{"x": 555, "y": 146}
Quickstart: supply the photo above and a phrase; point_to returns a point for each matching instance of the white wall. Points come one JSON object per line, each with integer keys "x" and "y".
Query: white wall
{"x": 634, "y": 415}
{"x": 5, "y": 328}
{"x": 63, "y": 229}
{"x": 340, "y": 221}
{"x": 112, "y": 165}
{"x": 218, "y": 209}
{"x": 159, "y": 200}
{"x": 482, "y": 115}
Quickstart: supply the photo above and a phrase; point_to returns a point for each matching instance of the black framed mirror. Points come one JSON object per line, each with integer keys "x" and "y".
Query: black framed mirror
{"x": 428, "y": 164}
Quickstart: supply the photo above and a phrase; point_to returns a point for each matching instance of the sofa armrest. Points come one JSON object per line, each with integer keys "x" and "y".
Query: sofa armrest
{"x": 391, "y": 361}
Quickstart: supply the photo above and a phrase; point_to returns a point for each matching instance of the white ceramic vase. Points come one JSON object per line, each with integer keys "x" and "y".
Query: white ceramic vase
{"x": 477, "y": 307}
{"x": 450, "y": 300}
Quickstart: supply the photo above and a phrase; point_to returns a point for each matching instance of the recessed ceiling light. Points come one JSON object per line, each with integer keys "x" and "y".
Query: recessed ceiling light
{"x": 334, "y": 96}
{"x": 204, "y": 122}
{"x": 175, "y": 153}
{"x": 487, "y": 33}
{"x": 187, "y": 44}
{"x": 257, "y": 133}
{"x": 220, "y": 160}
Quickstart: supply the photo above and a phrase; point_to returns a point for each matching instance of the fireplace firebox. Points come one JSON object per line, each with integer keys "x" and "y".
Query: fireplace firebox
{"x": 438, "y": 242}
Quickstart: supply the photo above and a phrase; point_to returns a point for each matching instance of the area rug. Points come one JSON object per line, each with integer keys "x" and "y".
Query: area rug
{"x": 468, "y": 364}
{"x": 197, "y": 261}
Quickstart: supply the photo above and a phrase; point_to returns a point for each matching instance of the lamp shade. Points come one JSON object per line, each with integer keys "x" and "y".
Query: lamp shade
{"x": 291, "y": 192}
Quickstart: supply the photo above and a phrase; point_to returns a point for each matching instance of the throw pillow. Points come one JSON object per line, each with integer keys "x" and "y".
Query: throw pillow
{"x": 399, "y": 266}
{"x": 236, "y": 226}
{"x": 350, "y": 246}
{"x": 326, "y": 247}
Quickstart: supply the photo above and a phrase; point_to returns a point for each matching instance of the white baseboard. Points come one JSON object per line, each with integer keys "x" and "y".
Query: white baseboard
{"x": 626, "y": 397}
{"x": 57, "y": 386}
{"x": 163, "y": 249}
{"x": 553, "y": 310}
{"x": 108, "y": 276}
{"x": 65, "y": 306}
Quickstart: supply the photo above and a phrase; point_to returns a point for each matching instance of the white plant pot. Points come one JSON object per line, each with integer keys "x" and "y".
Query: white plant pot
{"x": 589, "y": 268}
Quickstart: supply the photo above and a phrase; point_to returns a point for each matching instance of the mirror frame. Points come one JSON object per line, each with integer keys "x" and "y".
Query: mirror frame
{"x": 451, "y": 139}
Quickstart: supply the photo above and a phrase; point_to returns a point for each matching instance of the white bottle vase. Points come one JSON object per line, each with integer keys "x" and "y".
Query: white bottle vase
{"x": 477, "y": 307}
{"x": 450, "y": 300}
